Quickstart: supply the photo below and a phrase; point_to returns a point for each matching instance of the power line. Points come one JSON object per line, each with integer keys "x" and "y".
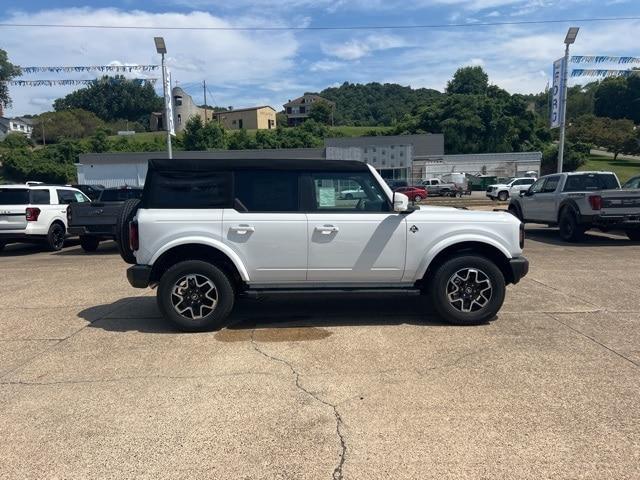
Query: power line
{"x": 347, "y": 27}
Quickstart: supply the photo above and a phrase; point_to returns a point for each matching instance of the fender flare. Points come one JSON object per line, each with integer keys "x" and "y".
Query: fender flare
{"x": 201, "y": 240}
{"x": 445, "y": 243}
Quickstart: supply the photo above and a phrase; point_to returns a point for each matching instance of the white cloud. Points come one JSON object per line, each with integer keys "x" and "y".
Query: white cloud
{"x": 222, "y": 57}
{"x": 326, "y": 65}
{"x": 361, "y": 47}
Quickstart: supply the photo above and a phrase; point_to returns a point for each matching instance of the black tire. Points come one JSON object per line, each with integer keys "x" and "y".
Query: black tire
{"x": 127, "y": 213}
{"x": 2, "y": 245}
{"x": 515, "y": 211}
{"x": 417, "y": 198}
{"x": 348, "y": 196}
{"x": 441, "y": 287}
{"x": 224, "y": 294}
{"x": 89, "y": 243}
{"x": 503, "y": 196}
{"x": 570, "y": 229}
{"x": 55, "y": 237}
{"x": 632, "y": 234}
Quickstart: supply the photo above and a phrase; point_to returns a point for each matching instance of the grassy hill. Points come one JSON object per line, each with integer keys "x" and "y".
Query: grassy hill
{"x": 623, "y": 168}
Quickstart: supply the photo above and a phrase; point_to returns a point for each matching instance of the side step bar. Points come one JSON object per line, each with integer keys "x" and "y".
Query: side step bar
{"x": 329, "y": 291}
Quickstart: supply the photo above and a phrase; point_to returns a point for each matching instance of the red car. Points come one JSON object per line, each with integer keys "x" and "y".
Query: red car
{"x": 415, "y": 194}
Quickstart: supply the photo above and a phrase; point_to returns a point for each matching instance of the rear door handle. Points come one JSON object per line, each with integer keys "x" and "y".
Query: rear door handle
{"x": 243, "y": 229}
{"x": 327, "y": 229}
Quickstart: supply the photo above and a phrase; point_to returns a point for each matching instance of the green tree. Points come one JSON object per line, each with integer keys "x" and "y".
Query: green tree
{"x": 618, "y": 98}
{"x": 575, "y": 155}
{"x": 616, "y": 135}
{"x": 24, "y": 164}
{"x": 374, "y": 104}
{"x": 8, "y": 71}
{"x": 70, "y": 124}
{"x": 469, "y": 80}
{"x": 240, "y": 140}
{"x": 321, "y": 112}
{"x": 99, "y": 142}
{"x": 199, "y": 136}
{"x": 16, "y": 140}
{"x": 113, "y": 98}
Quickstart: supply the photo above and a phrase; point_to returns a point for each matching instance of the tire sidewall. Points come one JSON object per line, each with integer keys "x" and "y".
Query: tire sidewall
{"x": 89, "y": 243}
{"x": 213, "y": 320}
{"x": 568, "y": 226}
{"x": 50, "y": 237}
{"x": 438, "y": 290}
{"x": 503, "y": 196}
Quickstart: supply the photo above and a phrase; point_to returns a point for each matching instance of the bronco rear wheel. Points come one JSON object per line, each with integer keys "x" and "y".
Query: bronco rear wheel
{"x": 89, "y": 243}
{"x": 634, "y": 234}
{"x": 195, "y": 296}
{"x": 467, "y": 289}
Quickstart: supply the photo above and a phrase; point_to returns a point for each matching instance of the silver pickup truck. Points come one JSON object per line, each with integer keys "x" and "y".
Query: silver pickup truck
{"x": 579, "y": 201}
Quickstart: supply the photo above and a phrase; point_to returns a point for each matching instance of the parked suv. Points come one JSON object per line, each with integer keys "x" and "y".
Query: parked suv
{"x": 578, "y": 201}
{"x": 208, "y": 230}
{"x": 36, "y": 213}
{"x": 512, "y": 188}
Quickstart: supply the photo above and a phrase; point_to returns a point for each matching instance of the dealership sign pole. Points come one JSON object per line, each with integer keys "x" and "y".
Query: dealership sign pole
{"x": 166, "y": 90}
{"x": 561, "y": 101}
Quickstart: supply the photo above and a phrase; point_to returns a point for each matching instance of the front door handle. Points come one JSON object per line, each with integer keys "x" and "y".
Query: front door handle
{"x": 327, "y": 229}
{"x": 243, "y": 229}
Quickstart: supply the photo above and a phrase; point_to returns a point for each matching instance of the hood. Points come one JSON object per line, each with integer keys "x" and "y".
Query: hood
{"x": 451, "y": 213}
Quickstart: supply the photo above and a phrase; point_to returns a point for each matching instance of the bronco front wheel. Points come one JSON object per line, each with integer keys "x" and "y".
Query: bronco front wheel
{"x": 467, "y": 290}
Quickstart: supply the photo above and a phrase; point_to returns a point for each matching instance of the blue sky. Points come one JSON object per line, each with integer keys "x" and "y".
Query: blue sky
{"x": 245, "y": 68}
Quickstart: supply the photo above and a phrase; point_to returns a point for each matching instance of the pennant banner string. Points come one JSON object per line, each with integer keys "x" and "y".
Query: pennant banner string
{"x": 603, "y": 73}
{"x": 92, "y": 68}
{"x": 50, "y": 83}
{"x": 604, "y": 59}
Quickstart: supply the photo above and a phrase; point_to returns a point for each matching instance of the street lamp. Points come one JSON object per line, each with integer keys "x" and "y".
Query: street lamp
{"x": 161, "y": 48}
{"x": 572, "y": 33}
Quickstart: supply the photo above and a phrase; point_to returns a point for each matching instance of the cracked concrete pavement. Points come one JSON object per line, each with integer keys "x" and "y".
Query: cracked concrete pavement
{"x": 94, "y": 384}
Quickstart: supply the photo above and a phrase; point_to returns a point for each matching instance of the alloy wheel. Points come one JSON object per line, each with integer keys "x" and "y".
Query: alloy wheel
{"x": 469, "y": 290}
{"x": 194, "y": 296}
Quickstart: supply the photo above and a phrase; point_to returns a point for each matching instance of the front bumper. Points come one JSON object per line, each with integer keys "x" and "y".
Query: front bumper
{"x": 519, "y": 267}
{"x": 139, "y": 275}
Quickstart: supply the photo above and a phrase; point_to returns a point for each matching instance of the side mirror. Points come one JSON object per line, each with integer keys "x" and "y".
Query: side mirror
{"x": 400, "y": 202}
{"x": 523, "y": 192}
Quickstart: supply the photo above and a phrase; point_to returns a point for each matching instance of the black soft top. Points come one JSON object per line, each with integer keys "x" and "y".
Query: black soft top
{"x": 215, "y": 164}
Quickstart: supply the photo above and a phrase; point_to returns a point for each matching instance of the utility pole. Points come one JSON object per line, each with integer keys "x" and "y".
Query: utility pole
{"x": 162, "y": 49}
{"x": 569, "y": 39}
{"x": 204, "y": 89}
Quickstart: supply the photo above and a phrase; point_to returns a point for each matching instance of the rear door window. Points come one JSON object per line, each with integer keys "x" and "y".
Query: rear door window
{"x": 40, "y": 197}
{"x": 184, "y": 189}
{"x": 14, "y": 196}
{"x": 267, "y": 191}
{"x": 66, "y": 197}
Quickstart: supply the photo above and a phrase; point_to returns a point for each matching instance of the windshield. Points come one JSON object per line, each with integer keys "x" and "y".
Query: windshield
{"x": 14, "y": 196}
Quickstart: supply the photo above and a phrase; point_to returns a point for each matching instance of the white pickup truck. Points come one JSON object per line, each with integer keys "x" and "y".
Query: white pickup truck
{"x": 578, "y": 201}
{"x": 208, "y": 230}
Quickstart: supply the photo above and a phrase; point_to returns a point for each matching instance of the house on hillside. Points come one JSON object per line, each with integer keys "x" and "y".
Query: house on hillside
{"x": 297, "y": 111}
{"x": 253, "y": 118}
{"x": 15, "y": 125}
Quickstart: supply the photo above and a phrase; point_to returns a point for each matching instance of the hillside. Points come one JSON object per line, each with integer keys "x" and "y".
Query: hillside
{"x": 376, "y": 103}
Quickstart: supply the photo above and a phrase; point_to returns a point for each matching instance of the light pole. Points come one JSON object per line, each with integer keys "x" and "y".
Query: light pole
{"x": 569, "y": 39}
{"x": 161, "y": 48}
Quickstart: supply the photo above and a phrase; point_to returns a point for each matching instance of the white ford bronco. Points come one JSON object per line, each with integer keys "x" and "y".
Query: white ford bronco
{"x": 206, "y": 231}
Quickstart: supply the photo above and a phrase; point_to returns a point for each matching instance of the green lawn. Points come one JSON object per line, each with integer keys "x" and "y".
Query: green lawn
{"x": 624, "y": 169}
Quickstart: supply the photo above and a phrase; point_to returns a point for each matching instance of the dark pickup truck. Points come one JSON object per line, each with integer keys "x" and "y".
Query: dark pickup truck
{"x": 97, "y": 220}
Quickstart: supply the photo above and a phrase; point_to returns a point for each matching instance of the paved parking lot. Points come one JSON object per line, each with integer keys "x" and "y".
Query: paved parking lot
{"x": 94, "y": 384}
